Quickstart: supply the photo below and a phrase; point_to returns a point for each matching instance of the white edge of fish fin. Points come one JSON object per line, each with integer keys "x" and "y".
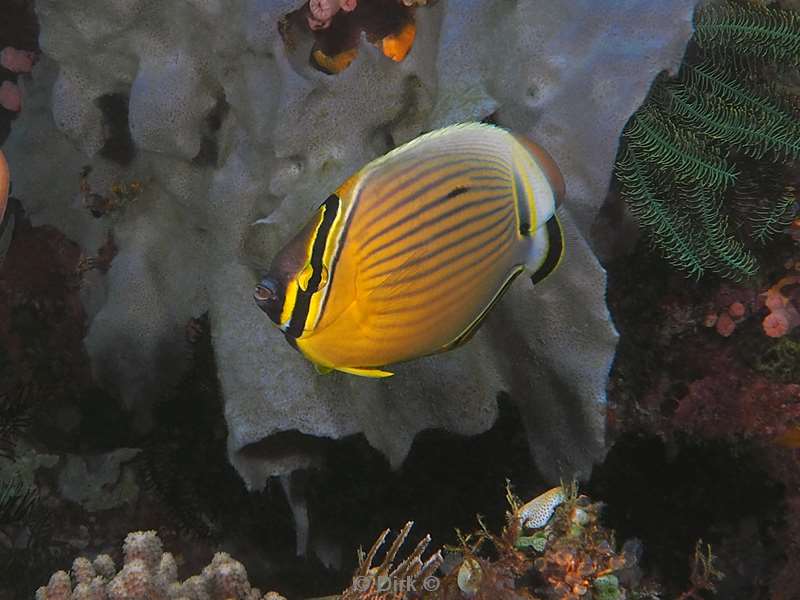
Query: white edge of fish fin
{"x": 411, "y": 145}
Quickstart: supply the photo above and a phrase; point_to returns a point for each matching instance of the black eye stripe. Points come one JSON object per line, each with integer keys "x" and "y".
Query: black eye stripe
{"x": 302, "y": 304}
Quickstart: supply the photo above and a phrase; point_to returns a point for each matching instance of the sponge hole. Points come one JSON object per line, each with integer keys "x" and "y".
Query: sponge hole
{"x": 208, "y": 155}
{"x": 118, "y": 145}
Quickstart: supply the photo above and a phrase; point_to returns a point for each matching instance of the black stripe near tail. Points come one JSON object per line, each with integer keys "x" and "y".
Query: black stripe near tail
{"x": 555, "y": 249}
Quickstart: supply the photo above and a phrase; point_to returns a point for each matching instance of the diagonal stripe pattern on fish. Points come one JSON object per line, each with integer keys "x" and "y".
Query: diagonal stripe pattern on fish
{"x": 408, "y": 256}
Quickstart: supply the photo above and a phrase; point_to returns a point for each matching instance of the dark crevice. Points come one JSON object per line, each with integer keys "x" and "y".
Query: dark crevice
{"x": 118, "y": 146}
{"x": 209, "y": 147}
{"x": 671, "y": 496}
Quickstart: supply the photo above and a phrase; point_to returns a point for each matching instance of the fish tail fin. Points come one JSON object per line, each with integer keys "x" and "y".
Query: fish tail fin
{"x": 548, "y": 251}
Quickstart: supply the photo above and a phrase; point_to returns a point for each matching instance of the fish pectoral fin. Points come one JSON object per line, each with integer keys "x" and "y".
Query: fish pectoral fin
{"x": 322, "y": 370}
{"x": 375, "y": 373}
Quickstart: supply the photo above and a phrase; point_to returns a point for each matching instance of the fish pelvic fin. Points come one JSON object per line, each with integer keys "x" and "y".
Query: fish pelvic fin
{"x": 322, "y": 370}
{"x": 374, "y": 373}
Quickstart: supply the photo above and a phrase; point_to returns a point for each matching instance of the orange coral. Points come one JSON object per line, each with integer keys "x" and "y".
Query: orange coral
{"x": 783, "y": 316}
{"x": 337, "y": 26}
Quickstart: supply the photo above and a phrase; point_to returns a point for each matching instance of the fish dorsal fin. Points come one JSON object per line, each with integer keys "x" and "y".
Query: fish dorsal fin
{"x": 424, "y": 140}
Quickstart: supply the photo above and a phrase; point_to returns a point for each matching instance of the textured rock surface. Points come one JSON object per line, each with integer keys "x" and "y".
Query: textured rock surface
{"x": 219, "y": 201}
{"x": 99, "y": 482}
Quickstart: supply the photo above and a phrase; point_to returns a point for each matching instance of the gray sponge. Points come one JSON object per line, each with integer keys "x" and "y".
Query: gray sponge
{"x": 219, "y": 202}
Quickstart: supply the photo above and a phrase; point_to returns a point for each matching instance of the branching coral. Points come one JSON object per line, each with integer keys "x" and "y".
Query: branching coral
{"x": 688, "y": 154}
{"x": 385, "y": 581}
{"x": 149, "y": 573}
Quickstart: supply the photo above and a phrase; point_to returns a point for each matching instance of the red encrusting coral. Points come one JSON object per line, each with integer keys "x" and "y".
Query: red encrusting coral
{"x": 37, "y": 289}
{"x": 42, "y": 320}
{"x": 733, "y": 401}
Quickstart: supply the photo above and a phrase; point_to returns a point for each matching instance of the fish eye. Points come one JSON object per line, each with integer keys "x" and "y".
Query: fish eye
{"x": 266, "y": 290}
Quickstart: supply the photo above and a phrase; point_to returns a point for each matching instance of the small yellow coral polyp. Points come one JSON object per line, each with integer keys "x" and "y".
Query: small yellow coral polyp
{"x": 334, "y": 64}
{"x": 397, "y": 45}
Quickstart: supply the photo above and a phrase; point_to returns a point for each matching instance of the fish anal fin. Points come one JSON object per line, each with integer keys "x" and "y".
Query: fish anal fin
{"x": 473, "y": 327}
{"x": 374, "y": 373}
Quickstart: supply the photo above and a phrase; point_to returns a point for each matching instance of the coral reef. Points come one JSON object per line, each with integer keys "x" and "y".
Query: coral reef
{"x": 566, "y": 556}
{"x": 236, "y": 138}
{"x": 699, "y": 418}
{"x": 694, "y": 159}
{"x": 148, "y": 572}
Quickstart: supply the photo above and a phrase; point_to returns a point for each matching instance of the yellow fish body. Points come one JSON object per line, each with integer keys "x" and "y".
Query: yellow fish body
{"x": 407, "y": 257}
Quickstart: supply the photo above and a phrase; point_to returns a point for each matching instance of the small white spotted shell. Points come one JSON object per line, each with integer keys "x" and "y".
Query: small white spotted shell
{"x": 536, "y": 513}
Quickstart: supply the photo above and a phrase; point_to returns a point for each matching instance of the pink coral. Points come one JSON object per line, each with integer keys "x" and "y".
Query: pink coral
{"x": 732, "y": 401}
{"x": 10, "y": 96}
{"x": 151, "y": 574}
{"x": 320, "y": 12}
{"x": 143, "y": 545}
{"x": 18, "y": 61}
{"x": 59, "y": 588}
{"x": 783, "y": 315}
{"x": 725, "y": 325}
{"x": 737, "y": 310}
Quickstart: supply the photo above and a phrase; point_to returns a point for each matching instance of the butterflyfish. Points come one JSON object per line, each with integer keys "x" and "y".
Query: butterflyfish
{"x": 409, "y": 255}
